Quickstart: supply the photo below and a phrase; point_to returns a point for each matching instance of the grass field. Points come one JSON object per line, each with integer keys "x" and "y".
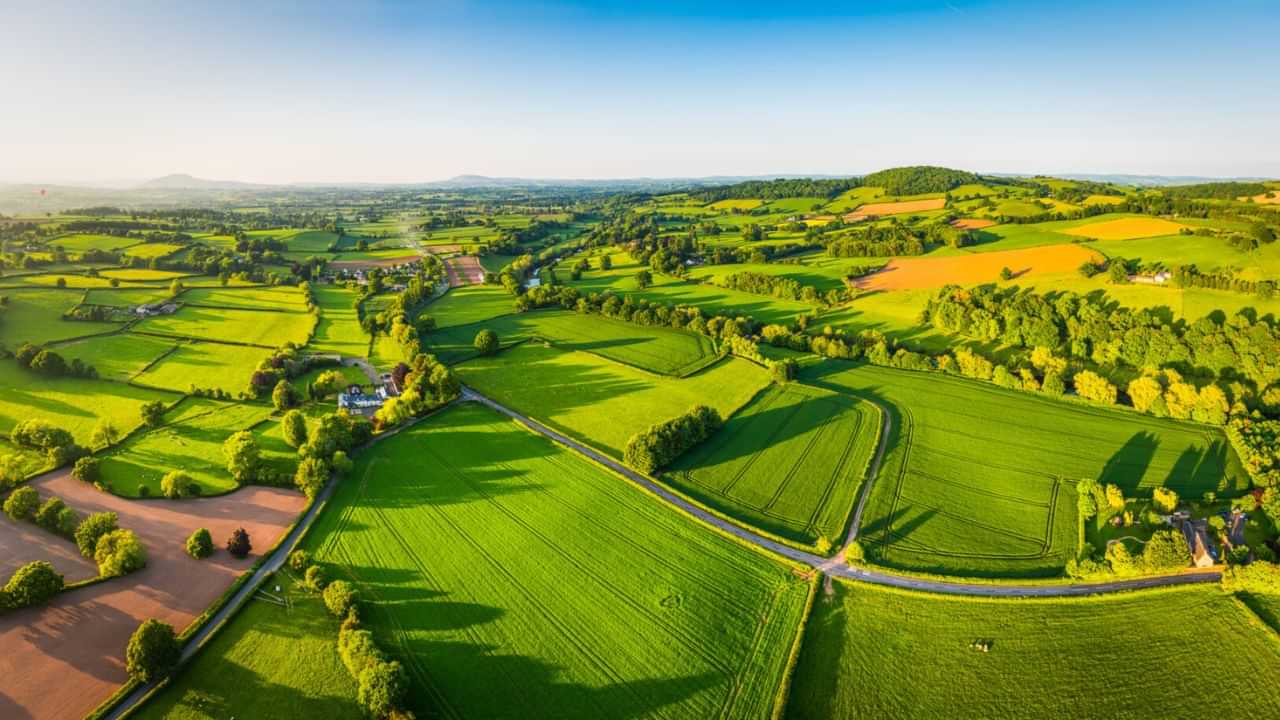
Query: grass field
{"x": 36, "y": 316}
{"x": 470, "y": 304}
{"x": 143, "y": 274}
{"x": 599, "y": 401}
{"x": 191, "y": 440}
{"x": 206, "y": 366}
{"x": 126, "y": 296}
{"x": 117, "y": 357}
{"x": 979, "y": 480}
{"x": 790, "y": 462}
{"x": 879, "y": 652}
{"x": 269, "y": 662}
{"x": 661, "y": 350}
{"x": 258, "y": 298}
{"x": 75, "y": 404}
{"x": 515, "y": 574}
{"x": 152, "y": 250}
{"x": 254, "y": 327}
{"x": 338, "y": 330}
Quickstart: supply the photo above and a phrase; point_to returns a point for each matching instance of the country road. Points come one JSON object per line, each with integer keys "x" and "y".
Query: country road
{"x": 836, "y": 565}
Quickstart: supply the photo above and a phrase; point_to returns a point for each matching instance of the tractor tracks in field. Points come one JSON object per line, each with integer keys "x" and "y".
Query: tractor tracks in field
{"x": 837, "y": 565}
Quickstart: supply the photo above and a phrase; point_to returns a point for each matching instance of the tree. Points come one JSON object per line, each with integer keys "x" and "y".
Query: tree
{"x": 243, "y": 456}
{"x": 606, "y": 262}
{"x": 153, "y": 413}
{"x": 340, "y": 597}
{"x": 238, "y": 544}
{"x": 200, "y": 544}
{"x": 311, "y": 476}
{"x": 22, "y": 503}
{"x": 644, "y": 279}
{"x": 784, "y": 370}
{"x": 486, "y": 342}
{"x": 1091, "y": 386}
{"x": 56, "y": 517}
{"x": 1143, "y": 392}
{"x": 854, "y": 552}
{"x": 1165, "y": 500}
{"x": 284, "y": 396}
{"x": 299, "y": 560}
{"x": 1115, "y": 496}
{"x": 1006, "y": 274}
{"x": 105, "y": 433}
{"x": 1165, "y": 550}
{"x": 93, "y": 528}
{"x": 294, "y": 427}
{"x": 1117, "y": 273}
{"x": 33, "y": 584}
{"x": 153, "y": 651}
{"x": 177, "y": 484}
{"x": 383, "y": 686}
{"x": 315, "y": 578}
{"x": 87, "y": 469}
{"x": 119, "y": 552}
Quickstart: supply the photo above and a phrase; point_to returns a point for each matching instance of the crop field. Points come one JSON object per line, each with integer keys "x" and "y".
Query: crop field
{"x": 338, "y": 330}
{"x": 790, "y": 462}
{"x": 736, "y": 204}
{"x": 126, "y": 296}
{"x": 205, "y": 365}
{"x": 471, "y": 304}
{"x": 972, "y": 223}
{"x": 661, "y": 350}
{"x": 73, "y": 280}
{"x": 75, "y": 404}
{"x": 36, "y": 316}
{"x": 77, "y": 243}
{"x": 143, "y": 274}
{"x": 979, "y": 480}
{"x": 672, "y": 620}
{"x": 1129, "y": 228}
{"x": 255, "y": 327}
{"x": 931, "y": 272}
{"x": 880, "y": 652}
{"x": 258, "y": 298}
{"x": 191, "y": 440}
{"x": 152, "y": 250}
{"x": 599, "y": 401}
{"x": 118, "y": 356}
{"x": 898, "y": 208}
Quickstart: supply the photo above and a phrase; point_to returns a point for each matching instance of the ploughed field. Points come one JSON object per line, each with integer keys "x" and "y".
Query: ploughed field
{"x": 979, "y": 480}
{"x": 877, "y": 652}
{"x": 514, "y": 577}
{"x": 791, "y": 462}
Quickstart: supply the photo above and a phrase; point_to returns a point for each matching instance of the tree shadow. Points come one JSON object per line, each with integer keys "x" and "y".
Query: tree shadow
{"x": 1127, "y": 466}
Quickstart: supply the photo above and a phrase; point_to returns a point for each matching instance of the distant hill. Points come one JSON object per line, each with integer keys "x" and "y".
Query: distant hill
{"x": 1140, "y": 180}
{"x": 182, "y": 181}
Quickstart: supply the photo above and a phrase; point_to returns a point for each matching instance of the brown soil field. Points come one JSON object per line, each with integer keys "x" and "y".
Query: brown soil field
{"x": 365, "y": 264}
{"x": 442, "y": 249}
{"x": 1126, "y": 229}
{"x": 1266, "y": 198}
{"x": 972, "y": 223}
{"x": 976, "y": 268}
{"x": 63, "y": 659}
{"x": 464, "y": 270}
{"x": 24, "y": 542}
{"x": 896, "y": 208}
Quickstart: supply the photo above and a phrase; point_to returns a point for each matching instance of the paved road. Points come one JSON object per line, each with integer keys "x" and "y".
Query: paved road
{"x": 835, "y": 566}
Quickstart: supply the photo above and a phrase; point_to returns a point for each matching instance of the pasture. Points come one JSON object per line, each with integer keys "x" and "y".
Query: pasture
{"x": 75, "y": 404}
{"x": 35, "y": 316}
{"x": 284, "y": 298}
{"x": 911, "y": 273}
{"x": 599, "y": 401}
{"x": 470, "y": 304}
{"x": 979, "y": 480}
{"x": 253, "y": 327}
{"x": 118, "y": 356}
{"x": 512, "y": 558}
{"x": 204, "y": 365}
{"x": 126, "y": 296}
{"x": 142, "y": 274}
{"x": 338, "y": 331}
{"x": 77, "y": 243}
{"x": 880, "y": 652}
{"x": 1128, "y": 228}
{"x": 150, "y": 251}
{"x": 790, "y": 462}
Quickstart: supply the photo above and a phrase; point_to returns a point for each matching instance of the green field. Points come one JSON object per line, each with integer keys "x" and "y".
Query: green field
{"x": 658, "y": 349}
{"x": 269, "y": 662}
{"x": 152, "y": 250}
{"x": 872, "y": 652}
{"x": 77, "y": 243}
{"x": 35, "y": 316}
{"x": 126, "y": 296}
{"x": 979, "y": 480}
{"x": 599, "y": 401}
{"x": 119, "y": 356}
{"x": 470, "y": 304}
{"x": 74, "y": 404}
{"x": 338, "y": 331}
{"x": 190, "y": 440}
{"x": 515, "y": 574}
{"x": 790, "y": 462}
{"x": 257, "y": 298}
{"x": 253, "y": 327}
{"x": 208, "y": 366}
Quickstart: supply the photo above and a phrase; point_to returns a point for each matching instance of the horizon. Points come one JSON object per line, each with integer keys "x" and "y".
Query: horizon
{"x": 393, "y": 94}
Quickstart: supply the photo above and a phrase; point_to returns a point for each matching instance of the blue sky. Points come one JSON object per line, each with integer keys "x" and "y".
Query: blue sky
{"x": 276, "y": 92}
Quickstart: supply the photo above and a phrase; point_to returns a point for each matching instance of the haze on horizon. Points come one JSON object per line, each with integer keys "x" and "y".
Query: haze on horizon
{"x": 283, "y": 93}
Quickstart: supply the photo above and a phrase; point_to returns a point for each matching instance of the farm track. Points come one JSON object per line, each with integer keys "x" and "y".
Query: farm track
{"x": 835, "y": 565}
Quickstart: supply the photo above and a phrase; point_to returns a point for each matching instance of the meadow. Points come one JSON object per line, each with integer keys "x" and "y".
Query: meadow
{"x": 76, "y": 243}
{"x": 878, "y": 652}
{"x": 470, "y": 304}
{"x": 601, "y": 402}
{"x": 515, "y": 574}
{"x": 255, "y": 298}
{"x": 270, "y": 661}
{"x": 35, "y": 316}
{"x": 790, "y": 462}
{"x": 204, "y": 365}
{"x": 979, "y": 480}
{"x": 338, "y": 331}
{"x": 126, "y": 296}
{"x": 119, "y": 356}
{"x": 252, "y": 327}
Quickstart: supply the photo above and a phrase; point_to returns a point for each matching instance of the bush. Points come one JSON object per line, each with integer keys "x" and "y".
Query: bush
{"x": 299, "y": 560}
{"x": 383, "y": 687}
{"x": 178, "y": 484}
{"x": 1165, "y": 500}
{"x": 311, "y": 476}
{"x": 784, "y": 370}
{"x": 340, "y": 597}
{"x": 144, "y": 491}
{"x": 315, "y": 578}
{"x": 153, "y": 413}
{"x": 153, "y": 651}
{"x": 238, "y": 544}
{"x": 294, "y": 426}
{"x": 357, "y": 649}
{"x": 87, "y": 469}
{"x": 93, "y": 528}
{"x": 853, "y": 552}
{"x": 119, "y": 552}
{"x": 243, "y": 456}
{"x": 33, "y": 584}
{"x": 22, "y": 503}
{"x": 200, "y": 544}
{"x": 56, "y": 517}
{"x": 486, "y": 342}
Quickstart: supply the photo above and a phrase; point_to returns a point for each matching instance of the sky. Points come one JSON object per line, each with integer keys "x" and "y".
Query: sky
{"x": 408, "y": 92}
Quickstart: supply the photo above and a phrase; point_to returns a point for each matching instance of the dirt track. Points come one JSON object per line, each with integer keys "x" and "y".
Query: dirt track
{"x": 975, "y": 268}
{"x": 63, "y": 659}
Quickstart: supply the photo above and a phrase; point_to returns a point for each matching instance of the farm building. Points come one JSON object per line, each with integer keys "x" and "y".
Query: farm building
{"x": 1203, "y": 553}
{"x": 1159, "y": 278}
{"x": 355, "y": 401}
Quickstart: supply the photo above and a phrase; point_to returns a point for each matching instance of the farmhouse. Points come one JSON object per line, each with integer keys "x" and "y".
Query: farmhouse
{"x": 355, "y": 401}
{"x": 155, "y": 309}
{"x": 1159, "y": 278}
{"x": 1203, "y": 553}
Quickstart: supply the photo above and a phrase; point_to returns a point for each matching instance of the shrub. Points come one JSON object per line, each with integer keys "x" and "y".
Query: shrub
{"x": 311, "y": 476}
{"x": 200, "y": 544}
{"x": 1165, "y": 500}
{"x": 299, "y": 560}
{"x": 339, "y": 597}
{"x": 178, "y": 484}
{"x": 238, "y": 544}
{"x": 854, "y": 553}
{"x": 93, "y": 528}
{"x": 284, "y": 396}
{"x": 383, "y": 687}
{"x": 153, "y": 651}
{"x": 315, "y": 578}
{"x": 22, "y": 503}
{"x": 153, "y": 413}
{"x": 33, "y": 584}
{"x": 87, "y": 469}
{"x": 243, "y": 456}
{"x": 784, "y": 370}
{"x": 486, "y": 342}
{"x": 144, "y": 491}
{"x": 1166, "y": 550}
{"x": 55, "y": 516}
{"x": 294, "y": 425}
{"x": 119, "y": 552}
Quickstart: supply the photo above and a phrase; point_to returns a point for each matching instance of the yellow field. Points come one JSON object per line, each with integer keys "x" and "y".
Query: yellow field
{"x": 896, "y": 208}
{"x": 977, "y": 268}
{"x": 1103, "y": 200}
{"x": 972, "y": 223}
{"x": 1267, "y": 198}
{"x": 736, "y": 204}
{"x": 1126, "y": 229}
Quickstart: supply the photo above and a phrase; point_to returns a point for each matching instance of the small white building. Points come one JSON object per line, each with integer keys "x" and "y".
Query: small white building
{"x": 357, "y": 402}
